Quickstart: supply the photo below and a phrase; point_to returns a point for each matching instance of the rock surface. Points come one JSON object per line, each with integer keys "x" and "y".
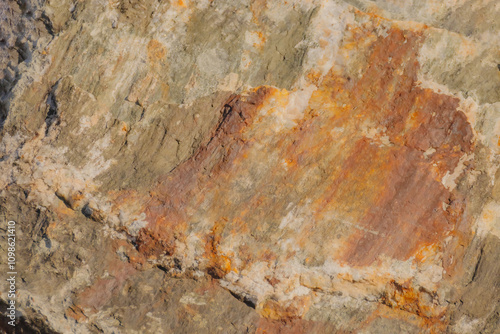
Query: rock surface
{"x": 252, "y": 166}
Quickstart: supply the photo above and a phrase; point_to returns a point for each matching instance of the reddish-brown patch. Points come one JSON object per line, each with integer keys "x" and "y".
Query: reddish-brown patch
{"x": 76, "y": 313}
{"x": 167, "y": 212}
{"x": 152, "y": 245}
{"x": 295, "y": 326}
{"x": 406, "y": 214}
{"x": 156, "y": 51}
{"x": 364, "y": 165}
{"x": 389, "y": 194}
{"x": 433, "y": 325}
{"x": 106, "y": 286}
{"x": 293, "y": 309}
{"x": 405, "y": 297}
{"x": 406, "y": 209}
{"x": 272, "y": 280}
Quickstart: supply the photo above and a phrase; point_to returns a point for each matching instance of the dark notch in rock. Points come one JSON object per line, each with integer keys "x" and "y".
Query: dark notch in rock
{"x": 39, "y": 228}
{"x": 246, "y": 299}
{"x": 47, "y": 23}
{"x": 23, "y": 325}
{"x": 52, "y": 114}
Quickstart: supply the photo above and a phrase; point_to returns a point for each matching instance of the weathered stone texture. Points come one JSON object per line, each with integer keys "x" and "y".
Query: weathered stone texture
{"x": 252, "y": 166}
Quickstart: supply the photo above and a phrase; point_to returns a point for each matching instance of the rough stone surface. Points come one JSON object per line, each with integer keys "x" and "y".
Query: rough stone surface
{"x": 259, "y": 166}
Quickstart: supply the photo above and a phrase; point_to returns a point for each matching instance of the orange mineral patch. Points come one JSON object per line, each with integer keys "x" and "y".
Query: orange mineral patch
{"x": 156, "y": 51}
{"x": 295, "y": 308}
{"x": 349, "y": 173}
{"x": 355, "y": 157}
{"x": 76, "y": 313}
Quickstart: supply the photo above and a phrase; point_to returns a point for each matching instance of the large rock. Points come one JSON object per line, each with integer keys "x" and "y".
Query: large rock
{"x": 252, "y": 166}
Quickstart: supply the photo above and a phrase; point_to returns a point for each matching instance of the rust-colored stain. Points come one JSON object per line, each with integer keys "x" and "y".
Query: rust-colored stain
{"x": 76, "y": 313}
{"x": 357, "y": 178}
{"x": 152, "y": 244}
{"x": 295, "y": 326}
{"x": 391, "y": 193}
{"x": 257, "y": 7}
{"x": 105, "y": 287}
{"x": 404, "y": 297}
{"x": 275, "y": 310}
{"x": 168, "y": 211}
{"x": 219, "y": 264}
{"x": 156, "y": 51}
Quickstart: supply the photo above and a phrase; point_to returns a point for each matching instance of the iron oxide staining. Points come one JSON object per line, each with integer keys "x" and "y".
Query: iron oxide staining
{"x": 356, "y": 180}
